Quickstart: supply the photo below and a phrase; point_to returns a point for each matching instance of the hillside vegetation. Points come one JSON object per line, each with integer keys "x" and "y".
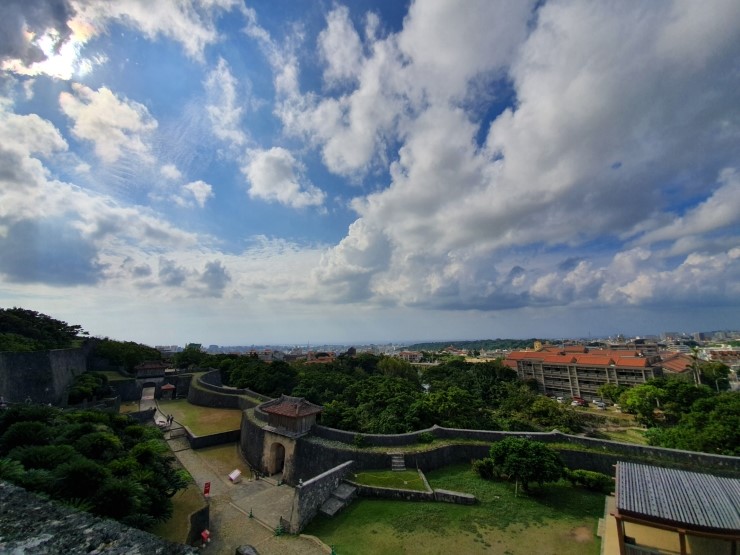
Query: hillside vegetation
{"x": 23, "y": 330}
{"x": 103, "y": 463}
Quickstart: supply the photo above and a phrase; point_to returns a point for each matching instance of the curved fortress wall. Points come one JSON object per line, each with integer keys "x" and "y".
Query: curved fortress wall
{"x": 302, "y": 458}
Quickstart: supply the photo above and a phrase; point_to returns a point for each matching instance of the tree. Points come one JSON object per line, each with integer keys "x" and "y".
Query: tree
{"x": 716, "y": 373}
{"x": 391, "y": 366}
{"x": 642, "y": 400}
{"x": 712, "y": 425}
{"x": 28, "y": 330}
{"x": 695, "y": 365}
{"x": 526, "y": 461}
{"x": 190, "y": 357}
{"x": 452, "y": 407}
{"x": 125, "y": 353}
{"x": 611, "y": 391}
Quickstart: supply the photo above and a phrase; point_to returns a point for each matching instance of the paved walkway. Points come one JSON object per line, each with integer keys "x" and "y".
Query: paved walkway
{"x": 231, "y": 503}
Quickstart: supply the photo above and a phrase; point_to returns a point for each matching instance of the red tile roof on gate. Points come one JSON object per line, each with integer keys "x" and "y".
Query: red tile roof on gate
{"x": 292, "y": 406}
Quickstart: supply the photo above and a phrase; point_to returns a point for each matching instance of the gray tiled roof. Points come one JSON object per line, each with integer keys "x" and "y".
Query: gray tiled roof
{"x": 678, "y": 496}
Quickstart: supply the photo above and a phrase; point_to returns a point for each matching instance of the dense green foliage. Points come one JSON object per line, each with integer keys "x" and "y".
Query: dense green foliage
{"x": 682, "y": 415}
{"x": 383, "y": 395}
{"x": 711, "y": 424}
{"x": 611, "y": 391}
{"x": 715, "y": 374}
{"x": 101, "y": 462}
{"x": 521, "y": 460}
{"x": 87, "y": 386}
{"x": 126, "y": 354}
{"x": 24, "y": 330}
{"x": 594, "y": 481}
{"x": 191, "y": 357}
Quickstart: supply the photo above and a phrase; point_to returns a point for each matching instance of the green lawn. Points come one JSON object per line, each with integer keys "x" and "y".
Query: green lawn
{"x": 406, "y": 479}
{"x": 202, "y": 420}
{"x": 184, "y": 503}
{"x": 114, "y": 376}
{"x": 556, "y": 519}
{"x": 630, "y": 435}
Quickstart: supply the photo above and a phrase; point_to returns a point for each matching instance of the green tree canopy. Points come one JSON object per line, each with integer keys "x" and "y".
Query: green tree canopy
{"x": 126, "y": 354}
{"x": 28, "y": 330}
{"x": 526, "y": 461}
{"x": 642, "y": 401}
{"x": 712, "y": 425}
{"x": 102, "y": 462}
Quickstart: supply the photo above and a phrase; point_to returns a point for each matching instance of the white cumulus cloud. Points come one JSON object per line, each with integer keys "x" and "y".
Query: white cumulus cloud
{"x": 274, "y": 175}
{"x": 115, "y": 126}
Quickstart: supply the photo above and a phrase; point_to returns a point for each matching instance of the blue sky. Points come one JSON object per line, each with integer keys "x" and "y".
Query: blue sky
{"x": 230, "y": 172}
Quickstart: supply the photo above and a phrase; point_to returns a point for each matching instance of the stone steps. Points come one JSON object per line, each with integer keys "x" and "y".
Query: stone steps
{"x": 398, "y": 463}
{"x": 345, "y": 492}
{"x": 340, "y": 498}
{"x": 331, "y": 506}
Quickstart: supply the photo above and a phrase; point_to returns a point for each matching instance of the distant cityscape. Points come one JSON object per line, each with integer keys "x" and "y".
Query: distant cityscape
{"x": 669, "y": 341}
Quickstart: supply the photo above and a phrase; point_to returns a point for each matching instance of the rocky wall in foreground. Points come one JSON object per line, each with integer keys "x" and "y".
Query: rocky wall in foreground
{"x": 30, "y": 524}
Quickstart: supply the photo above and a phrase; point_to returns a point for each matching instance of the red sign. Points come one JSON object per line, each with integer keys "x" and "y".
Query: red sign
{"x": 207, "y": 489}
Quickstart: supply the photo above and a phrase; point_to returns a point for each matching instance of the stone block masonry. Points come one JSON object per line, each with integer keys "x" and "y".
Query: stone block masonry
{"x": 42, "y": 375}
{"x": 311, "y": 494}
{"x": 30, "y": 524}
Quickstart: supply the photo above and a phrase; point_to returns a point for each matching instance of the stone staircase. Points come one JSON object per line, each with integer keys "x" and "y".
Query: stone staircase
{"x": 340, "y": 498}
{"x": 397, "y": 462}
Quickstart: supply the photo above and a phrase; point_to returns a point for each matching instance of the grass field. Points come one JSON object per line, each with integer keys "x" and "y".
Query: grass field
{"x": 202, "y": 420}
{"x": 184, "y": 503}
{"x": 222, "y": 459}
{"x": 629, "y": 435}
{"x": 129, "y": 406}
{"x": 556, "y": 520}
{"x": 406, "y": 479}
{"x": 113, "y": 376}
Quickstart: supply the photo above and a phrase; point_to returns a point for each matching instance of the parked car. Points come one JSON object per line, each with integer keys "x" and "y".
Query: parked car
{"x": 559, "y": 399}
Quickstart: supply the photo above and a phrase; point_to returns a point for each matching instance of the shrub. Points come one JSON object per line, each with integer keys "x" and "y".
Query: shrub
{"x": 10, "y": 470}
{"x": 359, "y": 441}
{"x": 102, "y": 446}
{"x": 484, "y": 468}
{"x": 594, "y": 481}
{"x": 45, "y": 457}
{"x": 425, "y": 437}
{"x": 118, "y": 499}
{"x": 80, "y": 478}
{"x": 24, "y": 433}
{"x": 38, "y": 480}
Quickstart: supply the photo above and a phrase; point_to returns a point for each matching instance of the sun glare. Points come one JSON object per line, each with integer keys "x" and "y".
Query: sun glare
{"x": 62, "y": 61}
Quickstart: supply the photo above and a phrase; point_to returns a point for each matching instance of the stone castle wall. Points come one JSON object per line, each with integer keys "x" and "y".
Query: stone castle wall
{"x": 41, "y": 375}
{"x": 313, "y": 493}
{"x": 207, "y": 391}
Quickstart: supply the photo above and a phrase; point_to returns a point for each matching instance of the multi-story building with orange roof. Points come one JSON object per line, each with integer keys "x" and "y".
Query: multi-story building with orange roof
{"x": 578, "y": 371}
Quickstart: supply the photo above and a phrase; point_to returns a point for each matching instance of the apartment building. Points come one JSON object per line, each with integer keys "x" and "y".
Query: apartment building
{"x": 578, "y": 371}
